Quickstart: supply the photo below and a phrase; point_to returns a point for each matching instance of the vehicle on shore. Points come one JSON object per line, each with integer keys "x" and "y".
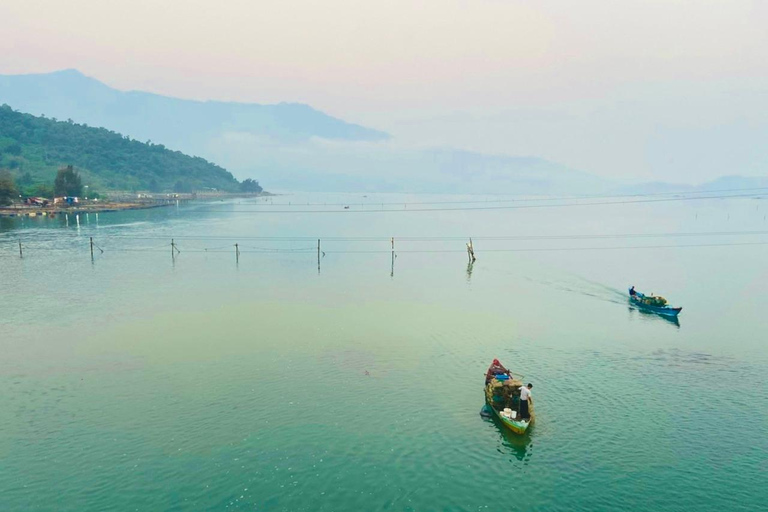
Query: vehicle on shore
{"x": 502, "y": 398}
{"x": 652, "y": 303}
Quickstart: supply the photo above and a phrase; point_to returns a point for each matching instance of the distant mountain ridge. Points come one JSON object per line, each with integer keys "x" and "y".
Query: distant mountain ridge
{"x": 34, "y": 148}
{"x": 288, "y": 146}
{"x": 724, "y": 183}
{"x": 181, "y": 124}
{"x": 292, "y": 146}
{"x": 383, "y": 169}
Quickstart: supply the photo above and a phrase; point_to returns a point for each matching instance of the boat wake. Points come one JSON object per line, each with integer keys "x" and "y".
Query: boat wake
{"x": 587, "y": 288}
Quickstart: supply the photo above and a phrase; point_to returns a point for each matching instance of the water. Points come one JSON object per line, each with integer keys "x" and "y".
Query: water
{"x": 142, "y": 382}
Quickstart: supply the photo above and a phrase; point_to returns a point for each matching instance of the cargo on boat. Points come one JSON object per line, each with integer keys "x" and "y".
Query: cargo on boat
{"x": 502, "y": 397}
{"x": 652, "y": 303}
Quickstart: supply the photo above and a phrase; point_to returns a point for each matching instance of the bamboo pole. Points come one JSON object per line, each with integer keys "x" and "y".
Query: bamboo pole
{"x": 392, "y": 267}
{"x": 471, "y": 251}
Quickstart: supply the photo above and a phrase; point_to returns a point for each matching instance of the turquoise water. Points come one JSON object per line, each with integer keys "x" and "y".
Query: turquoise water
{"x": 140, "y": 382}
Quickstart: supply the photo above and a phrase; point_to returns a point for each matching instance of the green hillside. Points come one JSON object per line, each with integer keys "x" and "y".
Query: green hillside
{"x": 34, "y": 148}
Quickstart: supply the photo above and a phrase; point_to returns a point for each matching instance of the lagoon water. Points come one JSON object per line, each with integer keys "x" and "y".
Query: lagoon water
{"x": 142, "y": 382}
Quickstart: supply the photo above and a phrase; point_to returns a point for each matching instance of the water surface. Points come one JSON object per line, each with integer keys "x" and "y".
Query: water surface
{"x": 138, "y": 381}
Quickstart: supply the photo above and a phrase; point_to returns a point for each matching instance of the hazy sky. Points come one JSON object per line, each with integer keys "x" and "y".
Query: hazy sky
{"x": 672, "y": 89}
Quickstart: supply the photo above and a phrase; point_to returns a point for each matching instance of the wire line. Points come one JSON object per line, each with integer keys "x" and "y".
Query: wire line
{"x": 520, "y": 198}
{"x": 479, "y": 208}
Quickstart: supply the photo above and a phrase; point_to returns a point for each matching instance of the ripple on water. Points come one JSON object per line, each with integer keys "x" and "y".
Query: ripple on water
{"x": 371, "y": 404}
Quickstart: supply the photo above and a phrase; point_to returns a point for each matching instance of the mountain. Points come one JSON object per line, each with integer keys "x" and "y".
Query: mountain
{"x": 724, "y": 183}
{"x": 34, "y": 148}
{"x": 385, "y": 167}
{"x": 288, "y": 146}
{"x": 181, "y": 124}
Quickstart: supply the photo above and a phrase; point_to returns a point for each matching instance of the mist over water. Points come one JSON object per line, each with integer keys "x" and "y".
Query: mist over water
{"x": 205, "y": 381}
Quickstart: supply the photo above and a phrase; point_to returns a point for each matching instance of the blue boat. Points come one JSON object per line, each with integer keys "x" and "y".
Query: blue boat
{"x": 652, "y": 304}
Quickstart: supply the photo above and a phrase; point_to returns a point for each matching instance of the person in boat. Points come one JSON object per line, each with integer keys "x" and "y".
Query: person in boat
{"x": 632, "y": 291}
{"x": 525, "y": 399}
{"x": 496, "y": 368}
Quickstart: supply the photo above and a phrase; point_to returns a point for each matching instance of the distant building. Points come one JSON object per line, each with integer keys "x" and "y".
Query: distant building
{"x": 68, "y": 200}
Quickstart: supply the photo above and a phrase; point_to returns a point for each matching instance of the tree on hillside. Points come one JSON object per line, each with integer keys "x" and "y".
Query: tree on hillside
{"x": 13, "y": 149}
{"x": 181, "y": 187}
{"x": 26, "y": 179}
{"x": 68, "y": 182}
{"x": 249, "y": 185}
{"x": 38, "y": 145}
{"x": 39, "y": 190}
{"x": 8, "y": 189}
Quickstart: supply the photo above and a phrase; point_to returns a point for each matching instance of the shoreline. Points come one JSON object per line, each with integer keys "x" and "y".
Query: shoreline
{"x": 53, "y": 211}
{"x": 15, "y": 211}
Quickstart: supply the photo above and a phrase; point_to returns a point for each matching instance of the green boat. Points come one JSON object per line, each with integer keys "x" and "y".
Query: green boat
{"x": 502, "y": 397}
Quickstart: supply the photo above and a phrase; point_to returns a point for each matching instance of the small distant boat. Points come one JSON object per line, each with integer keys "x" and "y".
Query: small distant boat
{"x": 653, "y": 304}
{"x": 502, "y": 398}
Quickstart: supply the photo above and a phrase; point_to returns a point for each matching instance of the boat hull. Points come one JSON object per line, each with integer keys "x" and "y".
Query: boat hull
{"x": 518, "y": 427}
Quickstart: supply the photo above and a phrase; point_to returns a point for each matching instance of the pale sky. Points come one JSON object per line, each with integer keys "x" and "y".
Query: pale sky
{"x": 652, "y": 89}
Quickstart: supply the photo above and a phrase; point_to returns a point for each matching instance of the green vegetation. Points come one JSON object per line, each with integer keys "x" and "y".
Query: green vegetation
{"x": 35, "y": 148}
{"x": 249, "y": 185}
{"x": 68, "y": 182}
{"x": 7, "y": 188}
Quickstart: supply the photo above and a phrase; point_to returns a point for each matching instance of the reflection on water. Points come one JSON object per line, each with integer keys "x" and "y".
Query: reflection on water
{"x": 520, "y": 446}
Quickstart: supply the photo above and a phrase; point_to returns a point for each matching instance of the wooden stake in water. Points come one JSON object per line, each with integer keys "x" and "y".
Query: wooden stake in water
{"x": 318, "y": 255}
{"x": 471, "y": 251}
{"x": 21, "y": 254}
{"x": 237, "y": 253}
{"x": 392, "y": 267}
{"x": 91, "y": 248}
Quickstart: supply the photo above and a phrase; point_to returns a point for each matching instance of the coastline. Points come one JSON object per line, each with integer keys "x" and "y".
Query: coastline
{"x": 114, "y": 205}
{"x": 52, "y": 211}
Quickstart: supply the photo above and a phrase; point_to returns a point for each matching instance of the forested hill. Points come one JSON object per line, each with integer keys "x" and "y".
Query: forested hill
{"x": 34, "y": 148}
{"x": 182, "y": 124}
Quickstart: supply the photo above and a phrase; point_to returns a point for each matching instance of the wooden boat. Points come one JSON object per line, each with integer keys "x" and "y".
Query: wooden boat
{"x": 502, "y": 398}
{"x": 653, "y": 304}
